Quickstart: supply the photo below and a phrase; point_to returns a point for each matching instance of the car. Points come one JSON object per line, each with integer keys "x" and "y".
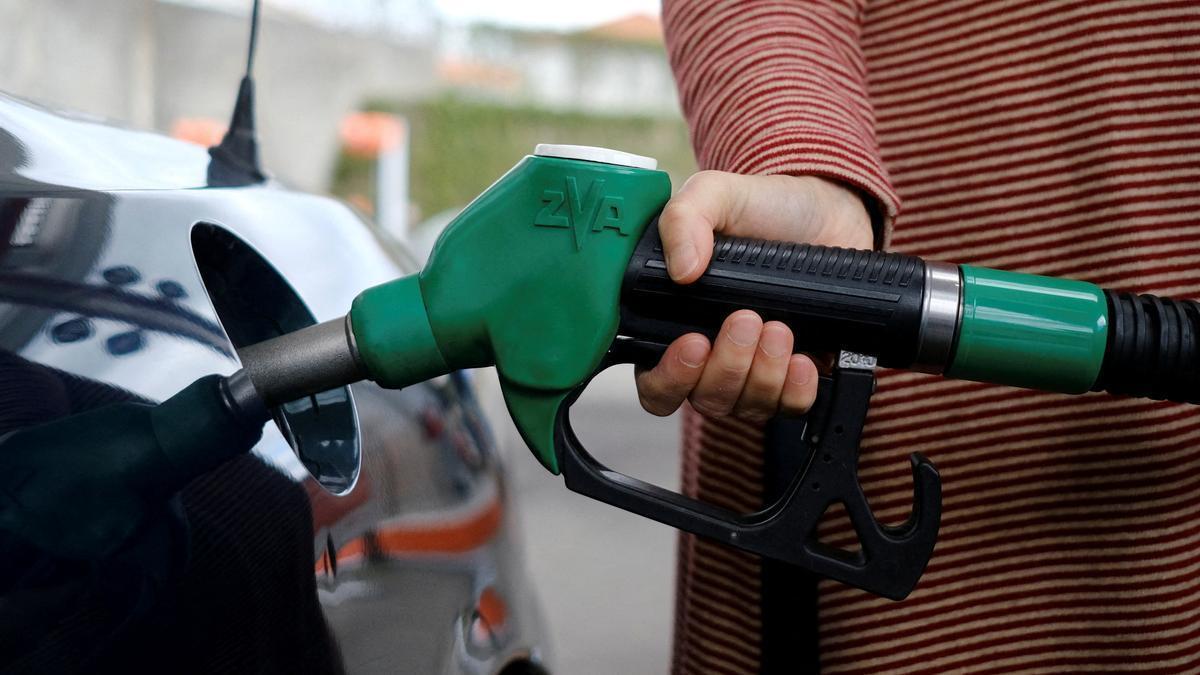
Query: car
{"x": 368, "y": 531}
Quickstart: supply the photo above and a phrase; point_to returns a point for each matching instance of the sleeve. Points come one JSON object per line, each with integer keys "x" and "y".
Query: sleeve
{"x": 779, "y": 87}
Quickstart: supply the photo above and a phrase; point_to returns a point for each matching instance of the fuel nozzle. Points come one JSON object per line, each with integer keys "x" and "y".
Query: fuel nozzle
{"x": 557, "y": 271}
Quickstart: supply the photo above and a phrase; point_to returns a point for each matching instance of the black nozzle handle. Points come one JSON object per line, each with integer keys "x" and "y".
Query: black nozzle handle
{"x": 834, "y": 299}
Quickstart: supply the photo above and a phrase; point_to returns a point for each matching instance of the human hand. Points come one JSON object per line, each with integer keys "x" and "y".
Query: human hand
{"x": 749, "y": 371}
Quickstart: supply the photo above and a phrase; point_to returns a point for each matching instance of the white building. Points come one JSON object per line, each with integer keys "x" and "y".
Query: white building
{"x": 619, "y": 67}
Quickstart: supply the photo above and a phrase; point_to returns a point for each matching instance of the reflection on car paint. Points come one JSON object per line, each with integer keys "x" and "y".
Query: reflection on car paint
{"x": 72, "y": 330}
{"x": 125, "y": 343}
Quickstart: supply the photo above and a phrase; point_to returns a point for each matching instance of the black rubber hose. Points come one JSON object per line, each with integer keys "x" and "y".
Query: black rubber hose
{"x": 1152, "y": 348}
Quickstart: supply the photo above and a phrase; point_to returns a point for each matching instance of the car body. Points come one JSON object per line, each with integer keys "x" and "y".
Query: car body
{"x": 124, "y": 268}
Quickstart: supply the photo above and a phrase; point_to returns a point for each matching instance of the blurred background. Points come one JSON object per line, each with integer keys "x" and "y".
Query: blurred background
{"x": 407, "y": 109}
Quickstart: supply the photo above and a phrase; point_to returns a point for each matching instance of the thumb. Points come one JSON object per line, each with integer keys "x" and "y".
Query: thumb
{"x": 705, "y": 204}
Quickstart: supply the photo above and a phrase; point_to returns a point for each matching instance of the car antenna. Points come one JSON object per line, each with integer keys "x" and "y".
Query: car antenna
{"x": 235, "y": 161}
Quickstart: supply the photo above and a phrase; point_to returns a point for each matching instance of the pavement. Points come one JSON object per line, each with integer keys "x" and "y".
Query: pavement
{"x": 605, "y": 578}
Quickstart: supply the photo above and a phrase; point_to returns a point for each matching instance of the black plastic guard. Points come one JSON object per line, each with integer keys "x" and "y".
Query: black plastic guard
{"x": 891, "y": 559}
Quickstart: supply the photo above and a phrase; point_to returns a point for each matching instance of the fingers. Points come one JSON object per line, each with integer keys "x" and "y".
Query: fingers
{"x": 749, "y": 372}
{"x": 663, "y": 389}
{"x": 728, "y": 365}
{"x": 760, "y": 397}
{"x": 707, "y": 202}
{"x": 799, "y": 387}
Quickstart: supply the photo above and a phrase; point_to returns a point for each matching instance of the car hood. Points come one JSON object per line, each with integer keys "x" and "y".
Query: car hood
{"x": 60, "y": 150}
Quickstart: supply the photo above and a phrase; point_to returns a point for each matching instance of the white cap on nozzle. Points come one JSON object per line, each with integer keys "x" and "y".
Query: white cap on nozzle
{"x": 588, "y": 153}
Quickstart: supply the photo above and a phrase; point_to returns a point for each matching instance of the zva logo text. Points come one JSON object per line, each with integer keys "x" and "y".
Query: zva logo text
{"x": 581, "y": 211}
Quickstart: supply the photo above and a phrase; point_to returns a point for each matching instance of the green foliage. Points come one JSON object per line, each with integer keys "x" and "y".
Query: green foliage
{"x": 460, "y": 147}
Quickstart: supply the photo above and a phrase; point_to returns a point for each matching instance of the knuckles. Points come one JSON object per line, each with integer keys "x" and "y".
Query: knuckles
{"x": 711, "y": 407}
{"x": 708, "y": 411}
{"x": 706, "y": 179}
{"x": 753, "y": 417}
{"x": 657, "y": 408}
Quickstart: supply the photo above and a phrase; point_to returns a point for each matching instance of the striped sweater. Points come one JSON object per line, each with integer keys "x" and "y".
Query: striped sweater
{"x": 1056, "y": 137}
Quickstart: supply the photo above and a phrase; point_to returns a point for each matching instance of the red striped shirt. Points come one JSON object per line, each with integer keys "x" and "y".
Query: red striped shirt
{"x": 1057, "y": 138}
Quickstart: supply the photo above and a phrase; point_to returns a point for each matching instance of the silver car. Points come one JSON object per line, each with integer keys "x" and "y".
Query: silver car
{"x": 124, "y": 276}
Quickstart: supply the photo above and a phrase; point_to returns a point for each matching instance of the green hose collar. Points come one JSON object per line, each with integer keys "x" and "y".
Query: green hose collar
{"x": 1030, "y": 331}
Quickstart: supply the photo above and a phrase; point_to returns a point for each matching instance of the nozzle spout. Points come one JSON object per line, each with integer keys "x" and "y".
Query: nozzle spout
{"x": 304, "y": 362}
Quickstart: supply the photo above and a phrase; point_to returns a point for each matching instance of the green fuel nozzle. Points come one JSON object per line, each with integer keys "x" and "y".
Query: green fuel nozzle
{"x": 560, "y": 260}
{"x": 556, "y": 272}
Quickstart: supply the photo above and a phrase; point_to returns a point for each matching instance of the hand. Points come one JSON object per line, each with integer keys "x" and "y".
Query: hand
{"x": 750, "y": 371}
